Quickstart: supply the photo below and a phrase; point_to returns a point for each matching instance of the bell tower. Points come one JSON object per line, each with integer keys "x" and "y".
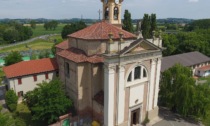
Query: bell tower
{"x": 112, "y": 11}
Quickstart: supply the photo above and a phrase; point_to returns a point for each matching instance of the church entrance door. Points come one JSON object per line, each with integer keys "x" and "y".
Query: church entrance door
{"x": 135, "y": 117}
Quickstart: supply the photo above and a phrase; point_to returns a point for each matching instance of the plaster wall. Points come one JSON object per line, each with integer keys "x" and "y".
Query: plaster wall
{"x": 28, "y": 83}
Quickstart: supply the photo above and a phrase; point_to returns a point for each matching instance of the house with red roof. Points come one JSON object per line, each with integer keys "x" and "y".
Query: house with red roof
{"x": 24, "y": 76}
{"x": 110, "y": 74}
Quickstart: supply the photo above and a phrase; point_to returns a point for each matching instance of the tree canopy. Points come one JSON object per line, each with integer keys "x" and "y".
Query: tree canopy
{"x": 149, "y": 24}
{"x": 51, "y": 25}
{"x": 127, "y": 22}
{"x": 48, "y": 101}
{"x": 179, "y": 92}
{"x": 71, "y": 28}
{"x": 182, "y": 42}
{"x": 11, "y": 100}
{"x": 14, "y": 32}
{"x": 12, "y": 58}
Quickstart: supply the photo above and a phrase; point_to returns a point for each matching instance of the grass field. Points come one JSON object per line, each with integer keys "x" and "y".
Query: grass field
{"x": 40, "y": 30}
{"x": 39, "y": 44}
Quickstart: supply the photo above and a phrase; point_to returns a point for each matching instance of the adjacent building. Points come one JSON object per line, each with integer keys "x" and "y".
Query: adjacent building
{"x": 24, "y": 76}
{"x": 198, "y": 62}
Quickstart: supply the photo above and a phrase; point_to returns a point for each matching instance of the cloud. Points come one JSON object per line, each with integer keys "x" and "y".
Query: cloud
{"x": 193, "y": 1}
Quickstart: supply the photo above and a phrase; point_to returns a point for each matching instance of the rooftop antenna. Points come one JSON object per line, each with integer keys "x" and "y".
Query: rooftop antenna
{"x": 99, "y": 12}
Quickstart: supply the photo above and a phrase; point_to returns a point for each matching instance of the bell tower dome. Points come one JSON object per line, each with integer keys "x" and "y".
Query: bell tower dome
{"x": 112, "y": 11}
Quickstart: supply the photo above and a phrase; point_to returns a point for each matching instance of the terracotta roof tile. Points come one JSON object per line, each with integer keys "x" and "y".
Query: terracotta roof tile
{"x": 79, "y": 56}
{"x": 30, "y": 67}
{"x": 63, "y": 45}
{"x": 100, "y": 31}
{"x": 205, "y": 68}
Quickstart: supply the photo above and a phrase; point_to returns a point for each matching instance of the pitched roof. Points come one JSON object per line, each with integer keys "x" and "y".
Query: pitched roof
{"x": 186, "y": 59}
{"x": 78, "y": 56}
{"x": 100, "y": 31}
{"x": 205, "y": 68}
{"x": 63, "y": 45}
{"x": 30, "y": 67}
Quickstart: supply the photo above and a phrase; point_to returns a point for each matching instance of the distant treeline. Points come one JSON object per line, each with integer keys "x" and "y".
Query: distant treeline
{"x": 194, "y": 37}
{"x": 199, "y": 24}
{"x": 43, "y": 20}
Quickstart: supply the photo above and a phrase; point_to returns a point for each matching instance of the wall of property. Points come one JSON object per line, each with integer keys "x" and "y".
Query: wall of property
{"x": 28, "y": 83}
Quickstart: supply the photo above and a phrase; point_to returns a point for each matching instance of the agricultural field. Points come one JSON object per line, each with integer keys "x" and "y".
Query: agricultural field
{"x": 40, "y": 30}
{"x": 38, "y": 44}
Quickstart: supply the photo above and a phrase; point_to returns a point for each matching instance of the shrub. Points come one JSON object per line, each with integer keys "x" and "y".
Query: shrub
{"x": 146, "y": 120}
{"x": 11, "y": 100}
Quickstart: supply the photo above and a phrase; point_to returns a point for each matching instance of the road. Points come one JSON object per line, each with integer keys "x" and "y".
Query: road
{"x": 28, "y": 41}
{"x": 171, "y": 119}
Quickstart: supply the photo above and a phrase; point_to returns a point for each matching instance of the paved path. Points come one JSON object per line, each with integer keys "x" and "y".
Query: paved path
{"x": 28, "y": 41}
{"x": 170, "y": 119}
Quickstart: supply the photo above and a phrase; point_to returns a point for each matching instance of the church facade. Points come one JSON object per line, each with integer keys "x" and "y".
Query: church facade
{"x": 110, "y": 74}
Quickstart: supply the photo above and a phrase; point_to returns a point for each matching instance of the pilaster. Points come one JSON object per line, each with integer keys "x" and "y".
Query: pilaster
{"x": 121, "y": 95}
{"x": 109, "y": 96}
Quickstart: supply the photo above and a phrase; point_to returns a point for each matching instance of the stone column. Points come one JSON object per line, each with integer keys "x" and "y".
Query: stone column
{"x": 157, "y": 82}
{"x": 151, "y": 85}
{"x": 109, "y": 96}
{"x": 121, "y": 95}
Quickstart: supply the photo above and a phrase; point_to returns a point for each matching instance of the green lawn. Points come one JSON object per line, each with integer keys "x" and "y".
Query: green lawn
{"x": 39, "y": 44}
{"x": 24, "y": 113}
{"x": 40, "y": 30}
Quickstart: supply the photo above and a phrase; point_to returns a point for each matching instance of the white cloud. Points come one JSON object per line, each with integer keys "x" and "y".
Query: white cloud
{"x": 193, "y": 1}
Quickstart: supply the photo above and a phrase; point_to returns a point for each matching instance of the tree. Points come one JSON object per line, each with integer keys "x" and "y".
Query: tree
{"x": 33, "y": 24}
{"x": 12, "y": 58}
{"x": 149, "y": 24}
{"x": 51, "y": 25}
{"x": 11, "y": 100}
{"x": 74, "y": 27}
{"x": 153, "y": 24}
{"x": 179, "y": 92}
{"x": 11, "y": 35}
{"x": 48, "y": 101}
{"x": 127, "y": 22}
{"x": 146, "y": 26}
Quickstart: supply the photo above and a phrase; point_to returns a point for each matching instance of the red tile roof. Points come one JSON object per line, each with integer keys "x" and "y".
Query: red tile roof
{"x": 63, "y": 45}
{"x": 205, "y": 68}
{"x": 30, "y": 67}
{"x": 78, "y": 56}
{"x": 100, "y": 31}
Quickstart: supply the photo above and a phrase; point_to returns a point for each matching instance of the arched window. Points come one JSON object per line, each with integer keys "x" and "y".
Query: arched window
{"x": 137, "y": 74}
{"x": 106, "y": 15}
{"x": 116, "y": 12}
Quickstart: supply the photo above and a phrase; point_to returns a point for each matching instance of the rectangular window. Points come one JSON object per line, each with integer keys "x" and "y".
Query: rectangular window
{"x": 20, "y": 94}
{"x": 137, "y": 73}
{"x": 46, "y": 76}
{"x": 19, "y": 81}
{"x": 35, "y": 78}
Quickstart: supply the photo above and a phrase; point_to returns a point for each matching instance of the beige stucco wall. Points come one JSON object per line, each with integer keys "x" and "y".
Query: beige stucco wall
{"x": 89, "y": 47}
{"x": 85, "y": 80}
{"x": 28, "y": 83}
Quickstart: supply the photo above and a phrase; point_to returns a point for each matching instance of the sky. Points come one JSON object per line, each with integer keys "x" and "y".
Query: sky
{"x": 66, "y": 9}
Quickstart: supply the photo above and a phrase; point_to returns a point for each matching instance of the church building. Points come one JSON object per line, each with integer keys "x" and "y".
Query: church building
{"x": 110, "y": 74}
